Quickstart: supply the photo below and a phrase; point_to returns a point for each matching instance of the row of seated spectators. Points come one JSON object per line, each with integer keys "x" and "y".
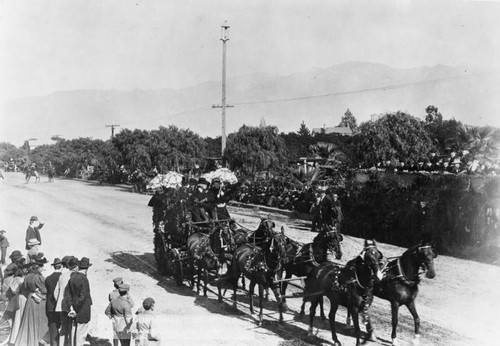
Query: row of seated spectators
{"x": 454, "y": 163}
{"x": 277, "y": 193}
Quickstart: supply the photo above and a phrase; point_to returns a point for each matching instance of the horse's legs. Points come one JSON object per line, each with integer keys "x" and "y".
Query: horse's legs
{"x": 302, "y": 307}
{"x": 205, "y": 277}
{"x": 355, "y": 320}
{"x": 281, "y": 304}
{"x": 333, "y": 312}
{"x": 251, "y": 288}
{"x": 312, "y": 312}
{"x": 321, "y": 311}
{"x": 413, "y": 310}
{"x": 261, "y": 304}
{"x": 198, "y": 279}
{"x": 219, "y": 284}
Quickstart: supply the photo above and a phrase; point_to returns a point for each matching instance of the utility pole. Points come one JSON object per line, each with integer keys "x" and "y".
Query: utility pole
{"x": 112, "y": 129}
{"x": 224, "y": 39}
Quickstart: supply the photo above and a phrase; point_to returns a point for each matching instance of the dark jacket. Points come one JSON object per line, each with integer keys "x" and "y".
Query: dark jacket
{"x": 328, "y": 211}
{"x": 50, "y": 283}
{"x": 77, "y": 293}
{"x": 34, "y": 232}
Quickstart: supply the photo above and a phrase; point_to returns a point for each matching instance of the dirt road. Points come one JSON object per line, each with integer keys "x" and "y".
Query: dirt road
{"x": 112, "y": 227}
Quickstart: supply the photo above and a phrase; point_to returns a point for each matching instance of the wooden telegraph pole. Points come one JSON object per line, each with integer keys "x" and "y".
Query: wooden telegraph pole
{"x": 224, "y": 39}
{"x": 112, "y": 129}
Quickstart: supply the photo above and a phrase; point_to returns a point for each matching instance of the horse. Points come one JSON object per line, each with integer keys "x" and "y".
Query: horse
{"x": 208, "y": 253}
{"x": 325, "y": 245}
{"x": 400, "y": 282}
{"x": 31, "y": 172}
{"x": 347, "y": 286}
{"x": 303, "y": 259}
{"x": 260, "y": 265}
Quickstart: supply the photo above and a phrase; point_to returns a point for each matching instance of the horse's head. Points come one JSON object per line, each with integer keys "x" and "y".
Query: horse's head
{"x": 267, "y": 225}
{"x": 372, "y": 257}
{"x": 425, "y": 255}
{"x": 277, "y": 246}
{"x": 331, "y": 238}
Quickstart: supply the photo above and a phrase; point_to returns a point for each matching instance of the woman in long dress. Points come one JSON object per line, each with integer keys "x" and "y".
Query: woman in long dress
{"x": 34, "y": 323}
{"x": 17, "y": 301}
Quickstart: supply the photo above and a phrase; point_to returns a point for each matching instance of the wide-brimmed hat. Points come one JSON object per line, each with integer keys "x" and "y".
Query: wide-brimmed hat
{"x": 84, "y": 263}
{"x": 123, "y": 288}
{"x": 39, "y": 259}
{"x": 34, "y": 218}
{"x": 57, "y": 261}
{"x": 33, "y": 241}
{"x": 16, "y": 254}
{"x": 73, "y": 262}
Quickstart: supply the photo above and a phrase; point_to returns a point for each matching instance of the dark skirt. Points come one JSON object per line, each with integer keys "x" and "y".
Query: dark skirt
{"x": 34, "y": 324}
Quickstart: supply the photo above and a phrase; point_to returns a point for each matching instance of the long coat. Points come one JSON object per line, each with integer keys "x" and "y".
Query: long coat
{"x": 34, "y": 232}
{"x": 51, "y": 283}
{"x": 77, "y": 293}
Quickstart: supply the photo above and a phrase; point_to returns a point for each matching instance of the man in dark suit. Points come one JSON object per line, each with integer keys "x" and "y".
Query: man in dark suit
{"x": 328, "y": 213}
{"x": 77, "y": 294}
{"x": 33, "y": 231}
{"x": 53, "y": 317}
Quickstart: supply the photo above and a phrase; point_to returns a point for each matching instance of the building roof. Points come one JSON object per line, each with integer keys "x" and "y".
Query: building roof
{"x": 341, "y": 130}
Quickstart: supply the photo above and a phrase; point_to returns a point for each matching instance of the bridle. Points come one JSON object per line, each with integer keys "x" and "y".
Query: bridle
{"x": 418, "y": 253}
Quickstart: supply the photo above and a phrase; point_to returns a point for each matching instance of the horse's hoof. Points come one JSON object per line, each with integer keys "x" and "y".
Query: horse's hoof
{"x": 372, "y": 336}
{"x": 395, "y": 342}
{"x": 416, "y": 340}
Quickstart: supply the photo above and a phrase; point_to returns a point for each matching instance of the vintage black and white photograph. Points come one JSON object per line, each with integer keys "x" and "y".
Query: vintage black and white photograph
{"x": 284, "y": 173}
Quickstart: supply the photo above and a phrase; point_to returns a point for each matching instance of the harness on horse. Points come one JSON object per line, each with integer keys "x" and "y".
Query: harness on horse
{"x": 400, "y": 272}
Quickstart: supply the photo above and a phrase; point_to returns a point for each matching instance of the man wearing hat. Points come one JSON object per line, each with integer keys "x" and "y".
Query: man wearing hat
{"x": 33, "y": 230}
{"x": 4, "y": 244}
{"x": 327, "y": 211}
{"x": 216, "y": 200}
{"x": 70, "y": 265}
{"x": 79, "y": 300}
{"x": 53, "y": 317}
{"x": 199, "y": 201}
{"x": 116, "y": 293}
{"x": 119, "y": 311}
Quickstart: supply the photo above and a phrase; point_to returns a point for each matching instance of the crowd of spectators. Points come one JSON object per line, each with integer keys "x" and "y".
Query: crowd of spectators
{"x": 460, "y": 162}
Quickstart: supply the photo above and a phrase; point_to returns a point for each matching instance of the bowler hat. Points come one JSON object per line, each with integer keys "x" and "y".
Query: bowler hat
{"x": 123, "y": 288}
{"x": 73, "y": 263}
{"x": 118, "y": 280}
{"x": 16, "y": 254}
{"x": 34, "y": 218}
{"x": 57, "y": 261}
{"x": 203, "y": 181}
{"x": 65, "y": 260}
{"x": 84, "y": 263}
{"x": 147, "y": 303}
{"x": 3, "y": 231}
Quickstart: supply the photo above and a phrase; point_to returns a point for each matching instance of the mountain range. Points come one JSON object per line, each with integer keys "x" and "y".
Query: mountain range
{"x": 318, "y": 97}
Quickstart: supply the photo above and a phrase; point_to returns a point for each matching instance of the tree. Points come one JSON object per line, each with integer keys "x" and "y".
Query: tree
{"x": 348, "y": 120}
{"x": 304, "y": 130}
{"x": 254, "y": 149}
{"x": 433, "y": 116}
{"x": 392, "y": 136}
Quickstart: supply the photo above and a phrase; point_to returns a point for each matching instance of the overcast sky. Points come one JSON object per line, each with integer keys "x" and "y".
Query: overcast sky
{"x": 120, "y": 44}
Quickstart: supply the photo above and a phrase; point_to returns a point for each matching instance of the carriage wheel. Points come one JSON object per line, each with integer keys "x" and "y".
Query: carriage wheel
{"x": 4, "y": 325}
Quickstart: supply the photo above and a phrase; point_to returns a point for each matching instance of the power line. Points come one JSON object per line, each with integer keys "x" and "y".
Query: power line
{"x": 388, "y": 87}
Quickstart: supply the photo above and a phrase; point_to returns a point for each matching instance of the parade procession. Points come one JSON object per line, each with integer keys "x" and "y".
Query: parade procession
{"x": 220, "y": 173}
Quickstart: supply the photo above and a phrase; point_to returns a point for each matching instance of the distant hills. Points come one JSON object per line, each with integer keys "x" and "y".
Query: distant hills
{"x": 318, "y": 97}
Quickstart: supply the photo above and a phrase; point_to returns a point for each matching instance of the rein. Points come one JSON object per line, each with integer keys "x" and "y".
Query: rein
{"x": 402, "y": 274}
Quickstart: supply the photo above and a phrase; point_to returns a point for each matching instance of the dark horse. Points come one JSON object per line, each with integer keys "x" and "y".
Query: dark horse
{"x": 325, "y": 246}
{"x": 400, "y": 282}
{"x": 208, "y": 253}
{"x": 344, "y": 286}
{"x": 260, "y": 265}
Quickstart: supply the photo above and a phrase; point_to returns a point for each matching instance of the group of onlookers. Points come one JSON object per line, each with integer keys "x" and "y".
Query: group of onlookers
{"x": 56, "y": 310}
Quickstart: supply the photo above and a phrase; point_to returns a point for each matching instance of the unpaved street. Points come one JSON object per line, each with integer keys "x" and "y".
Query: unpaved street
{"x": 112, "y": 227}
